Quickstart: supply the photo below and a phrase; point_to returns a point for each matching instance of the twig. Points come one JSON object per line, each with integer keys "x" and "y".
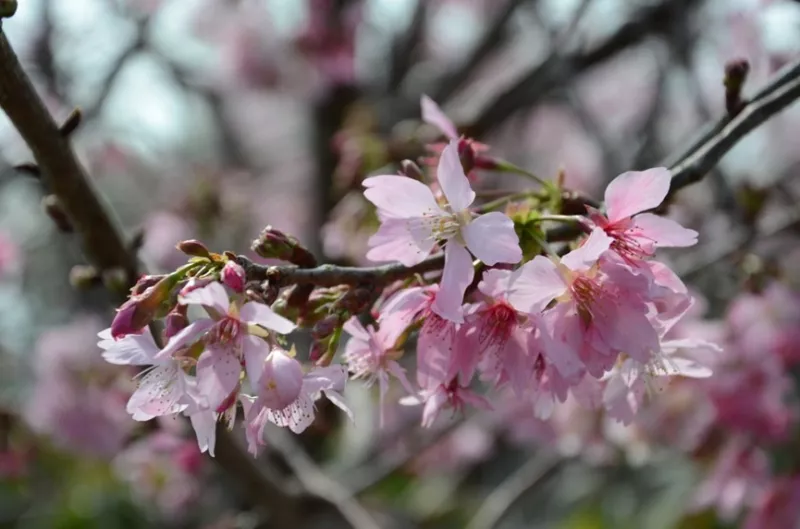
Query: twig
{"x": 316, "y": 482}
{"x": 331, "y": 275}
{"x": 490, "y": 40}
{"x": 560, "y": 69}
{"x": 778, "y": 94}
{"x": 530, "y": 475}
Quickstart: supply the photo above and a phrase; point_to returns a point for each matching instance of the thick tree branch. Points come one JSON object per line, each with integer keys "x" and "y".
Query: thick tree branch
{"x": 63, "y": 175}
{"x": 105, "y": 246}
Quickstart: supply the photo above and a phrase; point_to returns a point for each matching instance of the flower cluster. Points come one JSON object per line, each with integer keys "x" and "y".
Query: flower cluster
{"x": 591, "y": 322}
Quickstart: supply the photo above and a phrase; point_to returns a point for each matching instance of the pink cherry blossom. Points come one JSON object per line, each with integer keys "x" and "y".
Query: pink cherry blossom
{"x": 412, "y": 223}
{"x": 636, "y": 235}
{"x": 231, "y": 337}
{"x": 451, "y": 395}
{"x": 371, "y": 354}
{"x": 298, "y": 414}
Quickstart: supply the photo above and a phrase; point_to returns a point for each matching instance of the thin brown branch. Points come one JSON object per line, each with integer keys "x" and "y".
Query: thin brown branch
{"x": 535, "y": 472}
{"x": 491, "y": 39}
{"x": 779, "y": 94}
{"x": 559, "y": 69}
{"x": 317, "y": 482}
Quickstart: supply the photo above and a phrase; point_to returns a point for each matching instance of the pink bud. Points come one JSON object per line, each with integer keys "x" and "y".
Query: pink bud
{"x": 233, "y": 276}
{"x": 124, "y": 323}
{"x": 175, "y": 321}
{"x": 281, "y": 380}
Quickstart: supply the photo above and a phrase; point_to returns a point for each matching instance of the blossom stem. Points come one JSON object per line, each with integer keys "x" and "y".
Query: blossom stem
{"x": 558, "y": 218}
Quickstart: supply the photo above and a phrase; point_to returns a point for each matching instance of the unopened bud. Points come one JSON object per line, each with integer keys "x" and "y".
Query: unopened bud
{"x": 411, "y": 170}
{"x": 8, "y": 8}
{"x": 145, "y": 282}
{"x": 233, "y": 276}
{"x": 735, "y": 76}
{"x": 466, "y": 153}
{"x": 326, "y": 327}
{"x": 136, "y": 313}
{"x": 316, "y": 351}
{"x": 176, "y": 321}
{"x": 52, "y": 206}
{"x": 274, "y": 244}
{"x": 83, "y": 276}
{"x": 355, "y": 301}
{"x": 194, "y": 248}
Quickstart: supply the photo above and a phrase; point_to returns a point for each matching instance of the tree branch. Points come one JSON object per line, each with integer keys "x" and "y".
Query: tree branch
{"x": 558, "y": 69}
{"x": 105, "y": 247}
{"x": 773, "y": 98}
{"x": 63, "y": 175}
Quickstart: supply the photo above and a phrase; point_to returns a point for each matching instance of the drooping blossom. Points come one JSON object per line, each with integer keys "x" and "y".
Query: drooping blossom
{"x": 412, "y": 223}
{"x": 371, "y": 354}
{"x": 287, "y": 396}
{"x": 231, "y": 336}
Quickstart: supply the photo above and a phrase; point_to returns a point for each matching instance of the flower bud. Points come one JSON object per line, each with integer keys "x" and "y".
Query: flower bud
{"x": 136, "y": 313}
{"x": 355, "y": 301}
{"x": 83, "y": 276}
{"x": 233, "y": 276}
{"x": 325, "y": 327}
{"x": 466, "y": 153}
{"x": 735, "y": 76}
{"x": 145, "y": 282}
{"x": 176, "y": 321}
{"x": 194, "y": 248}
{"x": 274, "y": 244}
{"x": 411, "y": 170}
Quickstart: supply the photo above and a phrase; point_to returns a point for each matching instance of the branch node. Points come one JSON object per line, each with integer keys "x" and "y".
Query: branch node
{"x": 72, "y": 122}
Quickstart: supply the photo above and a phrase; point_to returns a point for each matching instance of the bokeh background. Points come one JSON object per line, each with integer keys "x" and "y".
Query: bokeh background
{"x": 211, "y": 119}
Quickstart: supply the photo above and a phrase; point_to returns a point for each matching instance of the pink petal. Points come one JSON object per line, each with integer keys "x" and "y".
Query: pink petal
{"x": 204, "y": 424}
{"x": 495, "y": 283}
{"x": 324, "y": 378}
{"x": 400, "y": 197}
{"x": 354, "y": 328}
{"x": 560, "y": 353}
{"x": 433, "y": 405}
{"x": 133, "y": 350}
{"x": 298, "y": 416}
{"x": 433, "y": 115}
{"x": 517, "y": 365}
{"x": 281, "y": 381}
{"x": 636, "y": 191}
{"x": 401, "y": 240}
{"x": 492, "y": 239}
{"x": 589, "y": 252}
{"x": 258, "y": 313}
{"x": 212, "y": 295}
{"x": 537, "y": 283}
{"x": 434, "y": 358}
{"x": 255, "y": 352}
{"x": 456, "y": 277}
{"x": 452, "y": 179}
{"x": 218, "y": 373}
{"x": 159, "y": 393}
{"x": 338, "y": 401}
{"x": 405, "y": 305}
{"x": 665, "y": 232}
{"x": 188, "y": 336}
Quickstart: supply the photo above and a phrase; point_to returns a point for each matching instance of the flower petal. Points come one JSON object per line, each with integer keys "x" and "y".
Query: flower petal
{"x": 452, "y": 179}
{"x": 132, "y": 350}
{"x": 433, "y": 115}
{"x": 297, "y": 416}
{"x": 589, "y": 252}
{"x": 185, "y": 337}
{"x": 456, "y": 277}
{"x": 255, "y": 352}
{"x": 401, "y": 240}
{"x": 218, "y": 372}
{"x": 354, "y": 328}
{"x": 282, "y": 380}
{"x": 537, "y": 283}
{"x": 636, "y": 191}
{"x": 212, "y": 295}
{"x": 492, "y": 239}
{"x": 405, "y": 305}
{"x": 204, "y": 424}
{"x": 400, "y": 197}
{"x": 159, "y": 393}
{"x": 664, "y": 232}
{"x": 258, "y": 313}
